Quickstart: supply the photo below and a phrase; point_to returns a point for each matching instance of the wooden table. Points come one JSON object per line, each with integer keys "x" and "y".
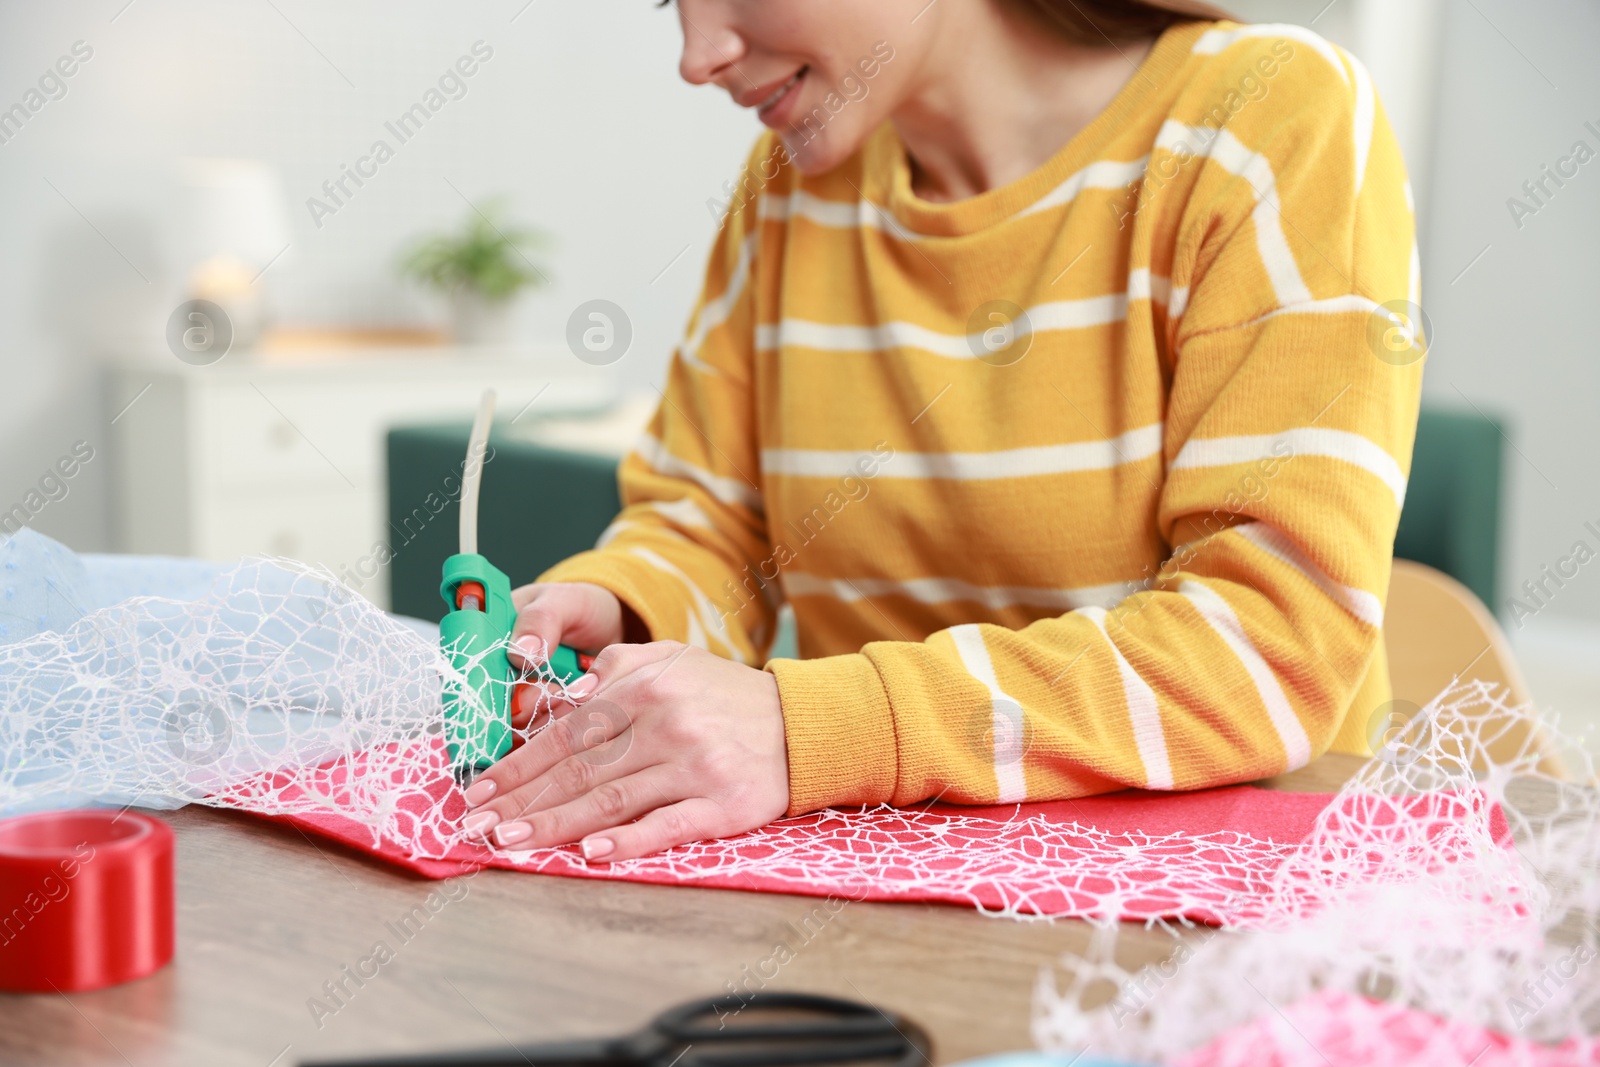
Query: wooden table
{"x": 267, "y": 915}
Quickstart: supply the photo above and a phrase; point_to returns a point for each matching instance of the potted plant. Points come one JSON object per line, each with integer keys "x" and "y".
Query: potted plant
{"x": 481, "y": 269}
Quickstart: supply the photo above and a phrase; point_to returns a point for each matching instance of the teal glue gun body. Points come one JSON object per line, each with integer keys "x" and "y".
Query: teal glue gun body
{"x": 473, "y": 634}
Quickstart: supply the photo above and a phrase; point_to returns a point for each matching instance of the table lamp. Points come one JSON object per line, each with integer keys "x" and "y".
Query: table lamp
{"x": 238, "y": 226}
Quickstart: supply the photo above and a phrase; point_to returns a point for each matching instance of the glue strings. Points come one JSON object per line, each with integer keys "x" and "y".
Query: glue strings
{"x": 282, "y": 692}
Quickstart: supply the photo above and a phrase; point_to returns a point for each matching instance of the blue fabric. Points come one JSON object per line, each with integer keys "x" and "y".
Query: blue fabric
{"x": 43, "y": 586}
{"x": 116, "y": 578}
{"x": 180, "y": 647}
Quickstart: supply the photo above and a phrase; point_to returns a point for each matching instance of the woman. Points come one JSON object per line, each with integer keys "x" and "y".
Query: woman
{"x": 1033, "y": 370}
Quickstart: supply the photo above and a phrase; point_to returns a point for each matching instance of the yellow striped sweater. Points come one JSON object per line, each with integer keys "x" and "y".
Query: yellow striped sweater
{"x": 1086, "y": 482}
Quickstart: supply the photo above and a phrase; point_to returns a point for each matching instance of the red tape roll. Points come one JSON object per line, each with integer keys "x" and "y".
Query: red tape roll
{"x": 86, "y": 899}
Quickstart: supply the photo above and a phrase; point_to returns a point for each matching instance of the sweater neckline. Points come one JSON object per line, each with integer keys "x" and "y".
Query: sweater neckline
{"x": 971, "y": 214}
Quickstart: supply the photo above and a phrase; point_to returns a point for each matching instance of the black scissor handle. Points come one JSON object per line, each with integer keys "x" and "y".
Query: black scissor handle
{"x": 689, "y": 1035}
{"x": 845, "y": 1031}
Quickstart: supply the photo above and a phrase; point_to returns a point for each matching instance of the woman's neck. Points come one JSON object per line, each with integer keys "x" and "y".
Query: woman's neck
{"x": 998, "y": 96}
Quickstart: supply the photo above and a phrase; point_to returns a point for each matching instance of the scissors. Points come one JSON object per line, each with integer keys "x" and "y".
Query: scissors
{"x": 760, "y": 1030}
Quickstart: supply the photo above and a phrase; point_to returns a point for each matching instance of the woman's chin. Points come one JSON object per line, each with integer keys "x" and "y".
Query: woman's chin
{"x": 820, "y": 153}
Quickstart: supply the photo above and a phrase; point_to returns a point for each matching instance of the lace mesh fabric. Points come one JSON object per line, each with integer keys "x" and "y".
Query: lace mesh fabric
{"x": 161, "y": 703}
{"x": 1390, "y": 935}
{"x": 285, "y": 694}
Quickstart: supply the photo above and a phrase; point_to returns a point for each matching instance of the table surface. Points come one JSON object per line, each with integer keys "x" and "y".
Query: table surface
{"x": 267, "y": 915}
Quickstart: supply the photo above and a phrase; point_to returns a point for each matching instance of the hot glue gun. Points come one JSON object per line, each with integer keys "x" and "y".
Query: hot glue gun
{"x": 477, "y": 712}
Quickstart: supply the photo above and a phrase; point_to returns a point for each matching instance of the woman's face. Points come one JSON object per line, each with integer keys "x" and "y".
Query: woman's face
{"x": 822, "y": 73}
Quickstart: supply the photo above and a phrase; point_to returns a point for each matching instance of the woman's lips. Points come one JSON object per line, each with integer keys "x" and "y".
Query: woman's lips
{"x": 773, "y": 110}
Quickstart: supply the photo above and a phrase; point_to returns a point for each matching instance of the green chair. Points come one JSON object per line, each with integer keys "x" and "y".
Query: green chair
{"x": 536, "y": 507}
{"x": 541, "y": 505}
{"x": 1451, "y": 518}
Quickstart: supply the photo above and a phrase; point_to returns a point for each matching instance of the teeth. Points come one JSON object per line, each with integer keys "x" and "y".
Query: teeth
{"x": 785, "y": 87}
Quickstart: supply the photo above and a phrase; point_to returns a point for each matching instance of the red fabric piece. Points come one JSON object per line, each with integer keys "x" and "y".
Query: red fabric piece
{"x": 1207, "y": 855}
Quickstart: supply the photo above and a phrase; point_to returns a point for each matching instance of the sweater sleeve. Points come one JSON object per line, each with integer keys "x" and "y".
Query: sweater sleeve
{"x": 1287, "y": 440}
{"x": 693, "y": 528}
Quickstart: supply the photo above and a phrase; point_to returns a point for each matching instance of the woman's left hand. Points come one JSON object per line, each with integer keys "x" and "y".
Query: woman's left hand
{"x": 687, "y": 743}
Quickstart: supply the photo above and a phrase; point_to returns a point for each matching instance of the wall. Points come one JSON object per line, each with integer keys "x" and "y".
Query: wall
{"x": 579, "y": 116}
{"x": 1513, "y": 329}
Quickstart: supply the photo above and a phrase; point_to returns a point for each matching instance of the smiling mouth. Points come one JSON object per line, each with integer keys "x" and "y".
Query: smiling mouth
{"x": 782, "y": 91}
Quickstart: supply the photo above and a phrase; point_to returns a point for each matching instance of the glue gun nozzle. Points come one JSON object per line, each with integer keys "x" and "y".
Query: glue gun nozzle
{"x": 465, "y": 776}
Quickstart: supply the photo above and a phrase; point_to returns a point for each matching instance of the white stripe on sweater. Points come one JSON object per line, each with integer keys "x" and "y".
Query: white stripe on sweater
{"x": 1226, "y": 150}
{"x": 1144, "y": 713}
{"x": 864, "y": 214}
{"x": 1040, "y": 460}
{"x": 683, "y": 512}
{"x": 1142, "y": 285}
{"x": 1080, "y": 314}
{"x": 655, "y": 455}
{"x": 1213, "y": 41}
{"x": 1157, "y": 288}
{"x": 1101, "y": 174}
{"x": 1227, "y": 626}
{"x": 1348, "y": 303}
{"x": 944, "y": 590}
{"x": 1179, "y": 301}
{"x": 1341, "y": 445}
{"x": 1277, "y": 544}
{"x": 703, "y": 615}
{"x": 1365, "y": 117}
{"x": 859, "y": 214}
{"x": 1006, "y": 714}
{"x": 715, "y": 312}
{"x": 1328, "y": 305}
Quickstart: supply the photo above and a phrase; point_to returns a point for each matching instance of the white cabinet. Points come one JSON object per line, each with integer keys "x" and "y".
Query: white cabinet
{"x": 287, "y": 458}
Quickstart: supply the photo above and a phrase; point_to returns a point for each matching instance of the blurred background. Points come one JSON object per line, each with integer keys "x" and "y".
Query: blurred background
{"x": 219, "y": 298}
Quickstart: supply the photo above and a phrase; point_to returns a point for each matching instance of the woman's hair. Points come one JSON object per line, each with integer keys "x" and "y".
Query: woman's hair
{"x": 1098, "y": 21}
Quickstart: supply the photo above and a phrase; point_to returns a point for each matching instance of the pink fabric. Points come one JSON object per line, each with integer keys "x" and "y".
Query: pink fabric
{"x": 1339, "y": 1028}
{"x": 1208, "y": 855}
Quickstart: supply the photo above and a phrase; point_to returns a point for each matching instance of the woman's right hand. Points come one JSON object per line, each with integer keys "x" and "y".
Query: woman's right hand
{"x": 577, "y": 614}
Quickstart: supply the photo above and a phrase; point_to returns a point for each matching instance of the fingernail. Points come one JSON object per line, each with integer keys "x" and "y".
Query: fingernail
{"x": 598, "y": 847}
{"x": 531, "y": 647}
{"x": 582, "y": 687}
{"x": 479, "y": 822}
{"x": 512, "y": 832}
{"x": 480, "y": 791}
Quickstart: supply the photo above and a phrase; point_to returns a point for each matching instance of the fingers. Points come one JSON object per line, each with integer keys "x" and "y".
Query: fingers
{"x": 572, "y": 739}
{"x": 535, "y": 701}
{"x": 693, "y": 819}
{"x": 616, "y": 662}
{"x": 532, "y": 700}
{"x": 570, "y": 732}
{"x": 602, "y": 808}
{"x": 573, "y": 613}
{"x": 544, "y": 622}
